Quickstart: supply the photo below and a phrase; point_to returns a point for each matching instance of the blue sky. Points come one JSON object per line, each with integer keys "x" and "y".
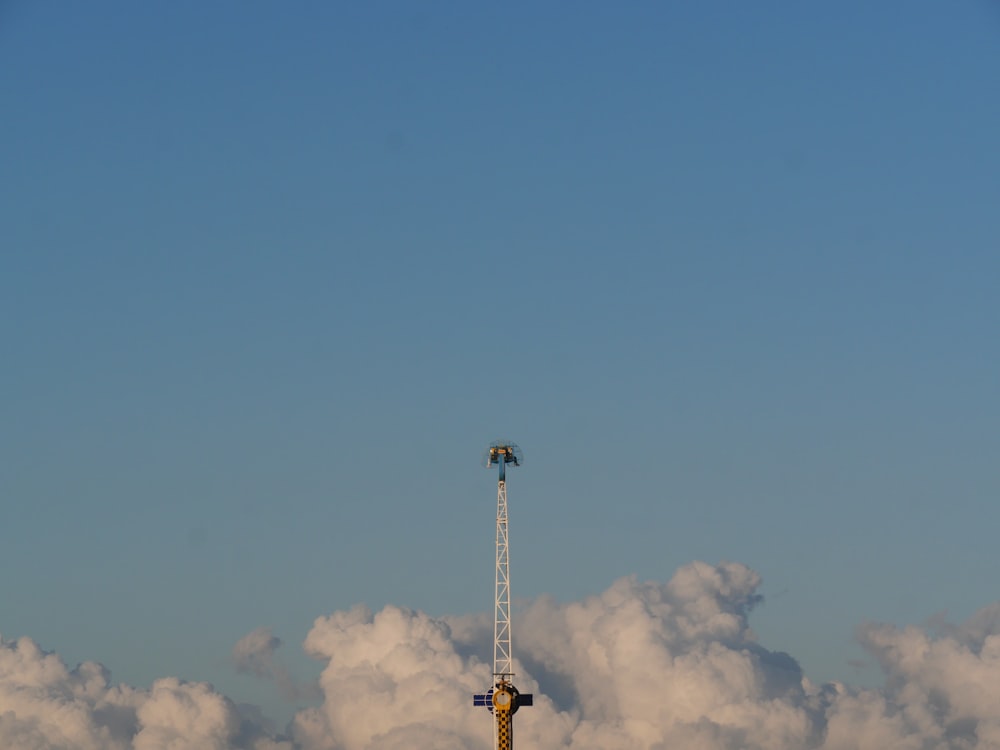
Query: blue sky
{"x": 274, "y": 277}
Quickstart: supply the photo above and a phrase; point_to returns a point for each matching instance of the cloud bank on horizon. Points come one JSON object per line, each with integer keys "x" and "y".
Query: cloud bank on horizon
{"x": 641, "y": 666}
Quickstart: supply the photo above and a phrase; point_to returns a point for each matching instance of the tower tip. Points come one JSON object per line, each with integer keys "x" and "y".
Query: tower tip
{"x": 503, "y": 451}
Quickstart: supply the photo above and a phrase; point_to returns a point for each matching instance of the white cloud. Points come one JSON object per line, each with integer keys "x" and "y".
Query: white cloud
{"x": 641, "y": 666}
{"x": 947, "y": 687}
{"x": 46, "y": 706}
{"x": 389, "y": 671}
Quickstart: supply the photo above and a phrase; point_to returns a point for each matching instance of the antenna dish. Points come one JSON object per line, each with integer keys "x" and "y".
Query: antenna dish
{"x": 503, "y": 451}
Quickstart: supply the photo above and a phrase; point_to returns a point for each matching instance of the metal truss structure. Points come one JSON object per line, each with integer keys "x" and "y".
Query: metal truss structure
{"x": 502, "y": 666}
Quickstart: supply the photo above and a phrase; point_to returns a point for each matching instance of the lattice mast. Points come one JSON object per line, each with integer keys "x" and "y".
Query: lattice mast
{"x": 503, "y": 699}
{"x": 502, "y": 667}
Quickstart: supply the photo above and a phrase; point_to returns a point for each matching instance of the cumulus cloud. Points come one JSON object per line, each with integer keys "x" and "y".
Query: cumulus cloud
{"x": 46, "y": 706}
{"x": 641, "y": 666}
{"x": 945, "y": 686}
{"x": 647, "y": 666}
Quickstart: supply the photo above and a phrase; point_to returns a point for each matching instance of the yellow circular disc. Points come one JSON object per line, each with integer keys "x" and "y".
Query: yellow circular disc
{"x": 502, "y": 700}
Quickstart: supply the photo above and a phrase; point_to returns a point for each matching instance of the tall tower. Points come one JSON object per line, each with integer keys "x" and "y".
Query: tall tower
{"x": 503, "y": 699}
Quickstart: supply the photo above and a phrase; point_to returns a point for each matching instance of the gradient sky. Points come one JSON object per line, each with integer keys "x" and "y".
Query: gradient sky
{"x": 273, "y": 276}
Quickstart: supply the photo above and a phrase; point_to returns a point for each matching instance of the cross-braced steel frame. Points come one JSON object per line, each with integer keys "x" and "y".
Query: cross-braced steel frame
{"x": 502, "y": 664}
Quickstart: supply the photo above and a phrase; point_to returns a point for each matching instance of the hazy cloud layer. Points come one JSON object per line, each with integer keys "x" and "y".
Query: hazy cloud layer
{"x": 254, "y": 653}
{"x": 643, "y": 666}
